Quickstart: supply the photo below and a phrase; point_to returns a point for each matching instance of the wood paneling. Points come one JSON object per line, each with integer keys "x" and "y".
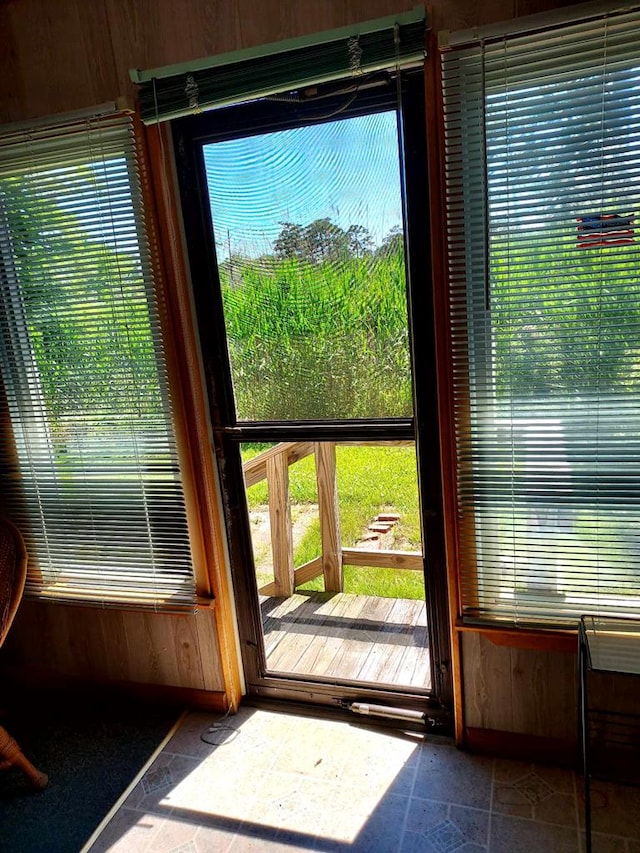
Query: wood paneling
{"x": 191, "y": 414}
{"x": 542, "y": 640}
{"x": 527, "y": 691}
{"x": 464, "y": 14}
{"x": 52, "y": 641}
{"x": 72, "y": 54}
{"x": 148, "y": 33}
{"x": 59, "y": 57}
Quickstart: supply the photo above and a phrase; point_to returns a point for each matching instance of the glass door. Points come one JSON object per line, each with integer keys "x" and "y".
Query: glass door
{"x": 315, "y": 389}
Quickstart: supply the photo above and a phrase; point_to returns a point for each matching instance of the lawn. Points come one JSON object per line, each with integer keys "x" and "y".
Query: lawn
{"x": 371, "y": 480}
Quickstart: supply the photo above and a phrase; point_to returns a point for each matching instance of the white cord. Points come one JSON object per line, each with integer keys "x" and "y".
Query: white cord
{"x": 216, "y": 727}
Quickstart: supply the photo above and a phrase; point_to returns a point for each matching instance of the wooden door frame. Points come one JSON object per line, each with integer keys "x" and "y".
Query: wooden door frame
{"x": 189, "y": 134}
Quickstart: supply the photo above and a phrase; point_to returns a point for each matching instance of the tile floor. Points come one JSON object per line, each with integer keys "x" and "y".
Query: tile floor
{"x": 273, "y": 781}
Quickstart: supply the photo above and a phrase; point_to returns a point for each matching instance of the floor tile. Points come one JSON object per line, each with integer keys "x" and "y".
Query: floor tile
{"x": 472, "y": 823}
{"x": 128, "y": 830}
{"x": 157, "y": 789}
{"x": 446, "y": 774}
{"x": 280, "y": 783}
{"x": 188, "y": 738}
{"x": 535, "y": 792}
{"x": 515, "y": 835}
{"x": 175, "y": 835}
{"x": 383, "y": 830}
{"x": 615, "y": 809}
{"x": 604, "y": 843}
{"x": 424, "y": 815}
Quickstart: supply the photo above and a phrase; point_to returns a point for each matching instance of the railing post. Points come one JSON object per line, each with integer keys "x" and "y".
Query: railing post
{"x": 280, "y": 522}
{"x": 329, "y": 516}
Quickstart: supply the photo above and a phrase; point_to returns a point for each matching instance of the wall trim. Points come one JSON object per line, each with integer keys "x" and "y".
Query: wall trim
{"x": 522, "y": 747}
{"x": 185, "y": 698}
{"x": 525, "y": 638}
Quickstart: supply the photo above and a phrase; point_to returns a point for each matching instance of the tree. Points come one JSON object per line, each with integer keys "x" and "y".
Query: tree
{"x": 360, "y": 242}
{"x": 564, "y": 320}
{"x": 392, "y": 244}
{"x": 291, "y": 242}
{"x": 326, "y": 241}
{"x": 321, "y": 242}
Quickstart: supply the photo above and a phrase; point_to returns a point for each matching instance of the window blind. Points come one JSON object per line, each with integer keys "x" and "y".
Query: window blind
{"x": 245, "y": 75}
{"x": 89, "y": 459}
{"x": 542, "y": 142}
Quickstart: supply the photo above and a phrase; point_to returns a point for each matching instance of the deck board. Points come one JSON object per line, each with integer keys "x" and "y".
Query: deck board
{"x": 379, "y": 641}
{"x": 277, "y": 620}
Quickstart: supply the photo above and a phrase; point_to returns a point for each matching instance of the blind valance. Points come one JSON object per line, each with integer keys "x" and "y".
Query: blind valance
{"x": 167, "y": 93}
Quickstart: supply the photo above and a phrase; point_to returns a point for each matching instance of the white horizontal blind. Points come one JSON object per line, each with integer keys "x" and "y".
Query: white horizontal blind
{"x": 542, "y": 136}
{"x": 90, "y": 467}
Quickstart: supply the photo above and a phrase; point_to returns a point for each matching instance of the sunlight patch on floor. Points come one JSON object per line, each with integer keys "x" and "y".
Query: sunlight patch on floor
{"x": 278, "y": 771}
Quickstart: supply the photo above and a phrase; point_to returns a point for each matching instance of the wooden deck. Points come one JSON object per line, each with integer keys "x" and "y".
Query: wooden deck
{"x": 381, "y": 641}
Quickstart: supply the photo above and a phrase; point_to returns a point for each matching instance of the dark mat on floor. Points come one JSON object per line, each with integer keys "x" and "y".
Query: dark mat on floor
{"x": 91, "y": 749}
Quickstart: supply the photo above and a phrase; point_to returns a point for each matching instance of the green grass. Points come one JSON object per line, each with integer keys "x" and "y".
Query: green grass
{"x": 319, "y": 341}
{"x": 370, "y": 480}
{"x": 330, "y": 341}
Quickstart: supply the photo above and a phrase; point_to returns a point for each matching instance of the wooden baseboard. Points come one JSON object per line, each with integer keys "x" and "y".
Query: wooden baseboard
{"x": 183, "y": 698}
{"x": 522, "y": 747}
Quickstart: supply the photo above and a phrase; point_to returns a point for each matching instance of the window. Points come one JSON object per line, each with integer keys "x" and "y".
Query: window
{"x": 91, "y": 468}
{"x": 315, "y": 308}
{"x": 543, "y": 161}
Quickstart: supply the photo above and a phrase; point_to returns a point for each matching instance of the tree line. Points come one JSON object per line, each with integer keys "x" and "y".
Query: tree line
{"x": 322, "y": 241}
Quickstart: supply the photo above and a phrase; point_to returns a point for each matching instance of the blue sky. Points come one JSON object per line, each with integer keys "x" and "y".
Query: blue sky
{"x": 346, "y": 170}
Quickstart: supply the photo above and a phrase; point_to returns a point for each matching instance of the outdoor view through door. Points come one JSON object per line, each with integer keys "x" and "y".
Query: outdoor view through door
{"x": 306, "y": 219}
{"x": 311, "y": 263}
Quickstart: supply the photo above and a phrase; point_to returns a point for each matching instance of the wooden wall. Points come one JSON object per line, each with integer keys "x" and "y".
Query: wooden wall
{"x": 520, "y": 691}
{"x": 64, "y": 55}
{"x": 51, "y": 643}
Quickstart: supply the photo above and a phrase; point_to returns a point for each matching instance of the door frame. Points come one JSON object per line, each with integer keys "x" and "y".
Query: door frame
{"x": 189, "y": 135}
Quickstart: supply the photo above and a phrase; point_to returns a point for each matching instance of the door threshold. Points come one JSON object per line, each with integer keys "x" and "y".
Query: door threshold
{"x": 428, "y": 728}
{"x": 414, "y": 712}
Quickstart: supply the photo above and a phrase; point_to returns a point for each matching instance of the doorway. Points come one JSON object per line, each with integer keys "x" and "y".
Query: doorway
{"x": 307, "y": 229}
{"x": 338, "y": 558}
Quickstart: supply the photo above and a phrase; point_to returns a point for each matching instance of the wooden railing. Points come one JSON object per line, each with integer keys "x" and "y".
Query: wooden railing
{"x": 273, "y": 466}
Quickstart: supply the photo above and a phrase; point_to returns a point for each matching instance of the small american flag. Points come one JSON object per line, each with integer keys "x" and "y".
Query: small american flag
{"x": 605, "y": 229}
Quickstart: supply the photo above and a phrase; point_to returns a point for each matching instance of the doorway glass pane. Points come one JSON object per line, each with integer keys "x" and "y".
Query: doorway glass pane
{"x": 310, "y": 249}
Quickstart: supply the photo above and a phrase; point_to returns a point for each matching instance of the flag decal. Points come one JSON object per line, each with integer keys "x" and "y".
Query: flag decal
{"x": 605, "y": 229}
